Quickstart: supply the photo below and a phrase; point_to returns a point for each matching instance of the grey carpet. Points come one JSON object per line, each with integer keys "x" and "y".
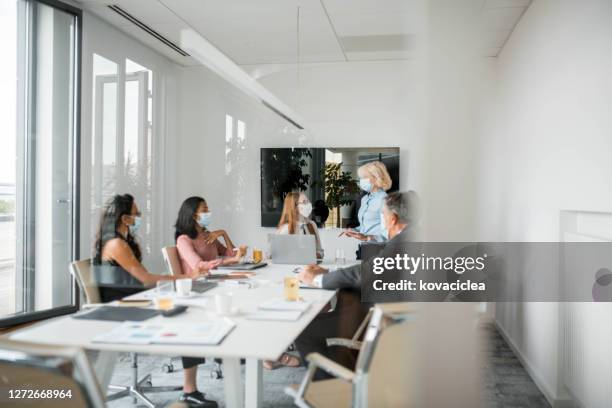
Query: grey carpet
{"x": 507, "y": 384}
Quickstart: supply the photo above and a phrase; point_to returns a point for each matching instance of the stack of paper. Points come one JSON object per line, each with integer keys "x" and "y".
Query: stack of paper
{"x": 205, "y": 333}
{"x": 285, "y": 305}
{"x": 272, "y": 315}
{"x": 280, "y": 310}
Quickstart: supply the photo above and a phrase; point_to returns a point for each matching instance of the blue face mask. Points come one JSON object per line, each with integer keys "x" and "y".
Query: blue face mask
{"x": 365, "y": 185}
{"x": 383, "y": 227}
{"x": 136, "y": 225}
{"x": 204, "y": 219}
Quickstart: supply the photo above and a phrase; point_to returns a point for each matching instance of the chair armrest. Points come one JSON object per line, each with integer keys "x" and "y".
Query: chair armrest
{"x": 348, "y": 343}
{"x": 330, "y": 366}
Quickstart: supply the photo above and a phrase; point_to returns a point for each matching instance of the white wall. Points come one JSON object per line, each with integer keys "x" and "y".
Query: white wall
{"x": 547, "y": 147}
{"x": 347, "y": 104}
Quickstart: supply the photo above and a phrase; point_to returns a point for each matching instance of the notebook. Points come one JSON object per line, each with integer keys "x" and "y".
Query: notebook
{"x": 209, "y": 333}
{"x": 117, "y": 314}
{"x": 245, "y": 266}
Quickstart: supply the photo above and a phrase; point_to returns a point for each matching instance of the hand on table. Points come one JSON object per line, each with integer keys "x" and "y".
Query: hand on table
{"x": 205, "y": 267}
{"x": 309, "y": 272}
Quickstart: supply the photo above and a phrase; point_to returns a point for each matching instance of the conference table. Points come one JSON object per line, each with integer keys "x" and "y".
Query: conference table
{"x": 253, "y": 340}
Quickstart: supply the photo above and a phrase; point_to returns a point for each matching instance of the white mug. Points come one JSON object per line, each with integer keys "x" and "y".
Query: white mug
{"x": 223, "y": 303}
{"x": 183, "y": 287}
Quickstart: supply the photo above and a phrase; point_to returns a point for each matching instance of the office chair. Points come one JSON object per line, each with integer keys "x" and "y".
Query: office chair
{"x": 378, "y": 379}
{"x": 81, "y": 271}
{"x": 173, "y": 264}
{"x": 62, "y": 375}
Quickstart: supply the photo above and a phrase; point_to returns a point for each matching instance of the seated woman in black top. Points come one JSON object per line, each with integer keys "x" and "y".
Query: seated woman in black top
{"x": 118, "y": 272}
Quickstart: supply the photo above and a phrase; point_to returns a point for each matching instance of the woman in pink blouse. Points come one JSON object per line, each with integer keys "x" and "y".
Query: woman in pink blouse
{"x": 200, "y": 249}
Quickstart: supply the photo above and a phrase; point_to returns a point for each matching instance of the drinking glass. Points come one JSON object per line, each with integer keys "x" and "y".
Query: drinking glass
{"x": 163, "y": 294}
{"x": 340, "y": 259}
{"x": 292, "y": 288}
{"x": 257, "y": 255}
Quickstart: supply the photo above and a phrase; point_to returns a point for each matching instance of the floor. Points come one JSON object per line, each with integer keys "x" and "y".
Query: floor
{"x": 507, "y": 384}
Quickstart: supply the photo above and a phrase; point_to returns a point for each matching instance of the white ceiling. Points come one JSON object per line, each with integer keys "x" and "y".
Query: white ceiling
{"x": 254, "y": 32}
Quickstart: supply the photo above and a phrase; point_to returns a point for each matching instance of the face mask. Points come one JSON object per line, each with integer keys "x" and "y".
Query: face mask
{"x": 305, "y": 209}
{"x": 383, "y": 227}
{"x": 365, "y": 185}
{"x": 135, "y": 226}
{"x": 204, "y": 219}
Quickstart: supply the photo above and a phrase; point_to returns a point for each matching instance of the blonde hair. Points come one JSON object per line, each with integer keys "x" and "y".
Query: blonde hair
{"x": 290, "y": 215}
{"x": 378, "y": 171}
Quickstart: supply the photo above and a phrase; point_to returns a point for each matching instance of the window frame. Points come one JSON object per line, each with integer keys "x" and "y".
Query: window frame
{"x": 27, "y": 102}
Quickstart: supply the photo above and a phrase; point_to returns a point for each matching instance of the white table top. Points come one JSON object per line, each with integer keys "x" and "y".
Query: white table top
{"x": 251, "y": 338}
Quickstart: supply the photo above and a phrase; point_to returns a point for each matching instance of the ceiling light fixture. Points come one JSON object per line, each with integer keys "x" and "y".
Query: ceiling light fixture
{"x": 215, "y": 60}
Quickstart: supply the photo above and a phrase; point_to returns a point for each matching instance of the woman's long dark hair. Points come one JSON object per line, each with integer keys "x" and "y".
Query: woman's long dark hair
{"x": 118, "y": 206}
{"x": 185, "y": 223}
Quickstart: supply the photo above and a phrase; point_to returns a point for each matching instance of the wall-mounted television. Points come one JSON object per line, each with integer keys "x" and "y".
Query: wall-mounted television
{"x": 327, "y": 175}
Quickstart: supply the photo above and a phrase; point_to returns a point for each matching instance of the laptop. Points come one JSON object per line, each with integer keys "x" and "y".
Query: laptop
{"x": 296, "y": 249}
{"x": 244, "y": 266}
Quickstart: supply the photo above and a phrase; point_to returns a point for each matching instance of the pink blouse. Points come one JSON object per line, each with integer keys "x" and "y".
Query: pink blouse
{"x": 196, "y": 253}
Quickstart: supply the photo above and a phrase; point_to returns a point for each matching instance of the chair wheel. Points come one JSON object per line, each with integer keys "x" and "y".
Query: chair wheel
{"x": 168, "y": 368}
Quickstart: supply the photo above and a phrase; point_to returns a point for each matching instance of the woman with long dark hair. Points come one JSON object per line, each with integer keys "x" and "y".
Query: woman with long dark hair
{"x": 199, "y": 248}
{"x": 119, "y": 272}
{"x": 117, "y": 257}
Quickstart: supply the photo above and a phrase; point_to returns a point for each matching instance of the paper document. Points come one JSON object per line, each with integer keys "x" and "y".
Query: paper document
{"x": 285, "y": 305}
{"x": 285, "y": 316}
{"x": 205, "y": 333}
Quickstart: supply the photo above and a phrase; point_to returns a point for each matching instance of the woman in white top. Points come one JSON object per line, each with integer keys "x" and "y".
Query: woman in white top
{"x": 295, "y": 219}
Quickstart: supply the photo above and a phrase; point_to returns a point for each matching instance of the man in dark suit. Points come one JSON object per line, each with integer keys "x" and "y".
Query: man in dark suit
{"x": 398, "y": 219}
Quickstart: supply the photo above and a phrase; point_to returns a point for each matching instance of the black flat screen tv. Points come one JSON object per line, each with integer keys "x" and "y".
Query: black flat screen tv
{"x": 327, "y": 175}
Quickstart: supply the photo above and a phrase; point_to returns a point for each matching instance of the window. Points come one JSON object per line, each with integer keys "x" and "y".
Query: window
{"x": 123, "y": 143}
{"x": 39, "y": 139}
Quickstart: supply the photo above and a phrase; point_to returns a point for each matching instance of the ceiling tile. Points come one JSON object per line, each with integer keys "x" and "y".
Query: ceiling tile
{"x": 378, "y": 55}
{"x": 491, "y": 51}
{"x": 370, "y": 6}
{"x": 502, "y": 18}
{"x": 351, "y": 24}
{"x": 494, "y": 38}
{"x": 507, "y": 3}
{"x": 263, "y": 31}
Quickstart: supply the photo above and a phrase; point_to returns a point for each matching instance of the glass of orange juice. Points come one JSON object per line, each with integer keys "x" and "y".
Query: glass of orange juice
{"x": 257, "y": 255}
{"x": 163, "y": 295}
{"x": 292, "y": 288}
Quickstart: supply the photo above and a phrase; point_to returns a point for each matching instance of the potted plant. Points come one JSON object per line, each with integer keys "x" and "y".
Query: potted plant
{"x": 340, "y": 188}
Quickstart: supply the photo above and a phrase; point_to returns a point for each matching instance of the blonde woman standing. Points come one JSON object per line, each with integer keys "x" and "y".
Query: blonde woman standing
{"x": 374, "y": 179}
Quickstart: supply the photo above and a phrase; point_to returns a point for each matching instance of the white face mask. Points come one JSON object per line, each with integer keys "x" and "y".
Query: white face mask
{"x": 204, "y": 219}
{"x": 305, "y": 209}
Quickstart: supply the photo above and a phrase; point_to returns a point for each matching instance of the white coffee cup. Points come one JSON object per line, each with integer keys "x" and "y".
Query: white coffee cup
{"x": 223, "y": 303}
{"x": 183, "y": 287}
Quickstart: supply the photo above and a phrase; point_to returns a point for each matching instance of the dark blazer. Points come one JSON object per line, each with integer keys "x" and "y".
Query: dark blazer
{"x": 350, "y": 277}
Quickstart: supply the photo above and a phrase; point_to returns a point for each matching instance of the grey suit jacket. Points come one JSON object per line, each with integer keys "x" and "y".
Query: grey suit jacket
{"x": 350, "y": 277}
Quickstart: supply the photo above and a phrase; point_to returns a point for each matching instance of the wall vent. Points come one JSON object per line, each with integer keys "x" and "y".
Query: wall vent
{"x": 147, "y": 29}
